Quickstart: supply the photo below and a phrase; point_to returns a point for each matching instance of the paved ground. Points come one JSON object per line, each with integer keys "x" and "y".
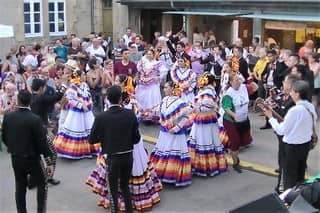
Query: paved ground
{"x": 217, "y": 194}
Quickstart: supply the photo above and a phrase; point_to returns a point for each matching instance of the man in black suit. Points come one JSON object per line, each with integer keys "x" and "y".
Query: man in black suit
{"x": 117, "y": 129}
{"x": 178, "y": 52}
{"x": 273, "y": 76}
{"x": 24, "y": 135}
{"x": 274, "y": 72}
{"x": 40, "y": 105}
{"x": 42, "y": 102}
{"x": 243, "y": 65}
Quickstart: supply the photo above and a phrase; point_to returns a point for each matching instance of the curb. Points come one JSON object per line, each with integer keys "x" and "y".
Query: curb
{"x": 250, "y": 166}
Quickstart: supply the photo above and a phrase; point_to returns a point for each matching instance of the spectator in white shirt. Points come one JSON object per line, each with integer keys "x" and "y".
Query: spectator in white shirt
{"x": 97, "y": 51}
{"x": 127, "y": 36}
{"x": 297, "y": 129}
{"x": 31, "y": 59}
{"x": 239, "y": 43}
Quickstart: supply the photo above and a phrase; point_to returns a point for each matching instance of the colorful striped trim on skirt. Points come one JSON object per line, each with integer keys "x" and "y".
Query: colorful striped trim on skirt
{"x": 144, "y": 189}
{"x": 206, "y": 160}
{"x": 75, "y": 149}
{"x": 172, "y": 167}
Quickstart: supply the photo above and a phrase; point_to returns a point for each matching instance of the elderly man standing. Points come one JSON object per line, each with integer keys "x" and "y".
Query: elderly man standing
{"x": 97, "y": 51}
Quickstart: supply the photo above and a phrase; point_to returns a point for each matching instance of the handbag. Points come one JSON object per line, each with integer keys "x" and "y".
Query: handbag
{"x": 314, "y": 136}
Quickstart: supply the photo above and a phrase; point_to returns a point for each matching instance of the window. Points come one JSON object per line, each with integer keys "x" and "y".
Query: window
{"x": 32, "y": 18}
{"x": 57, "y": 17}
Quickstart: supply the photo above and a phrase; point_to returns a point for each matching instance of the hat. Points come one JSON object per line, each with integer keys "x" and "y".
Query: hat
{"x": 72, "y": 64}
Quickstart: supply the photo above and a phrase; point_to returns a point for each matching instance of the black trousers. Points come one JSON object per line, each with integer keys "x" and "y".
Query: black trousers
{"x": 119, "y": 170}
{"x": 261, "y": 90}
{"x": 53, "y": 159}
{"x": 281, "y": 155}
{"x": 49, "y": 160}
{"x": 294, "y": 164}
{"x": 22, "y": 167}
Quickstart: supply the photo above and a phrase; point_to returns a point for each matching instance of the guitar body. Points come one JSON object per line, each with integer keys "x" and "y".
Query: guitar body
{"x": 263, "y": 105}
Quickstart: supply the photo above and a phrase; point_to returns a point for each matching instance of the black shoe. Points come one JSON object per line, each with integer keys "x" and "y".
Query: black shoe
{"x": 238, "y": 160}
{"x": 237, "y": 168}
{"x": 265, "y": 127}
{"x": 53, "y": 181}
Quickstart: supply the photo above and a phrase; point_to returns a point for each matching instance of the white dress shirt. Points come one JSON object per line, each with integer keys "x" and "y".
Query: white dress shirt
{"x": 30, "y": 60}
{"x": 297, "y": 125}
{"x": 94, "y": 52}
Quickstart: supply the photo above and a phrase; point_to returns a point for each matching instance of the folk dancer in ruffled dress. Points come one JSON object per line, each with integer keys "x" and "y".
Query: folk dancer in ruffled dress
{"x": 72, "y": 139}
{"x": 205, "y": 148}
{"x": 144, "y": 183}
{"x": 148, "y": 93}
{"x": 170, "y": 156}
{"x": 185, "y": 78}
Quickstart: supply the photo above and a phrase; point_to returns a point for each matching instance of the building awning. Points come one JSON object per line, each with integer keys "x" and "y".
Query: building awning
{"x": 206, "y": 13}
{"x": 285, "y": 25}
{"x": 285, "y": 17}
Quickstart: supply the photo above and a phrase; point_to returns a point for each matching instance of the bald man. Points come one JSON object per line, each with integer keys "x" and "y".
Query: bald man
{"x": 308, "y": 47}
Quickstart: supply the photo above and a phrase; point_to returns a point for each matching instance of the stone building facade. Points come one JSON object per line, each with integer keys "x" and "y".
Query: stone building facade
{"x": 36, "y": 20}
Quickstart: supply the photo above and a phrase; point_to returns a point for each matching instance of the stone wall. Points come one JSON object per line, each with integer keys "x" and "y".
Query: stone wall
{"x": 120, "y": 16}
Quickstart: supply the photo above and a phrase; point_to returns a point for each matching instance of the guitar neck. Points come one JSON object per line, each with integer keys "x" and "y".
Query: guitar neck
{"x": 261, "y": 104}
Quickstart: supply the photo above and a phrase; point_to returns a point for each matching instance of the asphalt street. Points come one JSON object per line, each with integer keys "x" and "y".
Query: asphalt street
{"x": 217, "y": 194}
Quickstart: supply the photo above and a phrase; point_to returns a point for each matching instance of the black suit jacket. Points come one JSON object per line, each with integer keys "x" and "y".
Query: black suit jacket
{"x": 243, "y": 68}
{"x": 116, "y": 129}
{"x": 41, "y": 104}
{"x": 24, "y": 135}
{"x": 210, "y": 62}
{"x": 175, "y": 55}
{"x": 278, "y": 74}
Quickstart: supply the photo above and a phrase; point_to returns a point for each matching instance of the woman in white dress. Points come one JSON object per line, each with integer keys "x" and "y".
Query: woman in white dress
{"x": 205, "y": 148}
{"x": 72, "y": 138}
{"x": 185, "y": 78}
{"x": 148, "y": 93}
{"x": 170, "y": 156}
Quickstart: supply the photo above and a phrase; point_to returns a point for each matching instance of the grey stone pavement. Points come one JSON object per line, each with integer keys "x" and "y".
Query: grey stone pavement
{"x": 217, "y": 194}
